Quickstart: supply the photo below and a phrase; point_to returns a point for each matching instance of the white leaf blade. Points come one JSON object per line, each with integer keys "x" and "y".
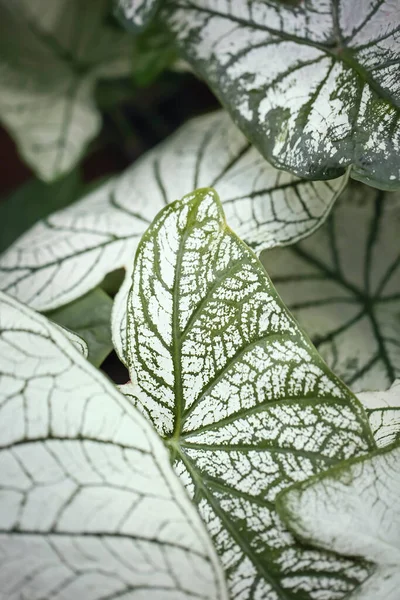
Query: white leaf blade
{"x": 383, "y": 409}
{"x": 137, "y": 13}
{"x": 354, "y": 509}
{"x": 74, "y": 249}
{"x": 243, "y": 401}
{"x": 54, "y": 119}
{"x": 116, "y": 519}
{"x": 307, "y": 83}
{"x": 343, "y": 285}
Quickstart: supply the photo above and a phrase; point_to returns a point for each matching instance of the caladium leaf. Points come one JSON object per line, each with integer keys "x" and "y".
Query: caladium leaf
{"x": 90, "y": 318}
{"x": 343, "y": 286}
{"x": 136, "y": 14}
{"x": 51, "y": 56}
{"x": 354, "y": 509}
{"x": 68, "y": 254}
{"x": 240, "y": 396}
{"x": 89, "y": 505}
{"x": 383, "y": 409}
{"x": 313, "y": 84}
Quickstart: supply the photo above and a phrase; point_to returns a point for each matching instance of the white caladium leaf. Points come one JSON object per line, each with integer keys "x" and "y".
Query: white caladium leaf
{"x": 354, "y": 509}
{"x": 69, "y": 253}
{"x": 89, "y": 504}
{"x": 46, "y": 97}
{"x": 240, "y": 396}
{"x": 313, "y": 84}
{"x": 383, "y": 409}
{"x": 343, "y": 286}
{"x": 136, "y": 14}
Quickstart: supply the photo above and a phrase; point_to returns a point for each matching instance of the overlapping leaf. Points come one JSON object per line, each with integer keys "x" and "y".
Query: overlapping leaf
{"x": 136, "y": 13}
{"x": 383, "y": 409}
{"x": 52, "y": 54}
{"x": 343, "y": 285}
{"x": 313, "y": 84}
{"x": 90, "y": 318}
{"x": 89, "y": 505}
{"x": 354, "y": 509}
{"x": 242, "y": 399}
{"x": 66, "y": 255}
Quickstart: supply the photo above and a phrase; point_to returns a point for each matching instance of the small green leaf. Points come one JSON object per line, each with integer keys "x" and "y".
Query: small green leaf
{"x": 34, "y": 201}
{"x": 90, "y": 318}
{"x": 242, "y": 399}
{"x": 354, "y": 509}
{"x": 89, "y": 504}
{"x": 383, "y": 410}
{"x": 51, "y": 56}
{"x": 136, "y": 14}
{"x": 343, "y": 286}
{"x": 79, "y": 246}
{"x": 313, "y": 84}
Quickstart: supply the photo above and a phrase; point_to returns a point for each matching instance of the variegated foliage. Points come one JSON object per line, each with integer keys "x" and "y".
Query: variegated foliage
{"x": 64, "y": 256}
{"x": 314, "y": 84}
{"x": 51, "y": 56}
{"x": 354, "y": 509}
{"x": 136, "y": 14}
{"x": 89, "y": 505}
{"x": 240, "y": 397}
{"x": 343, "y": 285}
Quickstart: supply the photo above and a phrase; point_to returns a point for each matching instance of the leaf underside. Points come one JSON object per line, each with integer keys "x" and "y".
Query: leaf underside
{"x": 354, "y": 509}
{"x": 343, "y": 286}
{"x": 314, "y": 85}
{"x": 89, "y": 505}
{"x": 240, "y": 396}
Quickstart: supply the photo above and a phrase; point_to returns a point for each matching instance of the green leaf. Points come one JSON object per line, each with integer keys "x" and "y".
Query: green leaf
{"x": 34, "y": 201}
{"x": 354, "y": 509}
{"x": 89, "y": 504}
{"x": 136, "y": 14}
{"x": 313, "y": 85}
{"x": 52, "y": 55}
{"x": 383, "y": 410}
{"x": 343, "y": 286}
{"x": 80, "y": 245}
{"x": 240, "y": 396}
{"x": 90, "y": 318}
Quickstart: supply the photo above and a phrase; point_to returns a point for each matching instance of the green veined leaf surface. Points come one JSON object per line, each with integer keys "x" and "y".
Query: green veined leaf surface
{"x": 89, "y": 505}
{"x": 52, "y": 54}
{"x": 240, "y": 396}
{"x": 136, "y": 14}
{"x": 314, "y": 85}
{"x": 383, "y": 409}
{"x": 354, "y": 509}
{"x": 90, "y": 318}
{"x": 66, "y": 255}
{"x": 343, "y": 286}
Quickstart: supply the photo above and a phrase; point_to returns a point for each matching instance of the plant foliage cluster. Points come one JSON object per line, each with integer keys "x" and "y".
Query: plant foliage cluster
{"x": 254, "y": 453}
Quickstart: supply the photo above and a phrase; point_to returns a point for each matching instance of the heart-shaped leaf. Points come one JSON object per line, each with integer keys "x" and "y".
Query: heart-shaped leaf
{"x": 66, "y": 255}
{"x": 354, "y": 509}
{"x": 343, "y": 286}
{"x": 240, "y": 396}
{"x": 383, "y": 409}
{"x": 136, "y": 14}
{"x": 313, "y": 84}
{"x": 51, "y": 56}
{"x": 89, "y": 505}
